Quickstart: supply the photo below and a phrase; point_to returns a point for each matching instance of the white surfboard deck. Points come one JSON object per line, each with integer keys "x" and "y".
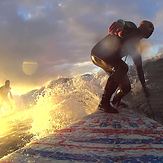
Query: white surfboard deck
{"x": 99, "y": 137}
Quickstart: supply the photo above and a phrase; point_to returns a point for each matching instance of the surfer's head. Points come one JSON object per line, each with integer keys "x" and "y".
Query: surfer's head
{"x": 146, "y": 28}
{"x": 7, "y": 83}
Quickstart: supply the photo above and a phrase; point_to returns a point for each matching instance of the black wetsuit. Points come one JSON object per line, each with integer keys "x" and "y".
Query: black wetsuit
{"x": 118, "y": 68}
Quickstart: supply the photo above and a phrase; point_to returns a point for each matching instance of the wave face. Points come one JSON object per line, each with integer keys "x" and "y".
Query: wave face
{"x": 44, "y": 111}
{"x": 63, "y": 102}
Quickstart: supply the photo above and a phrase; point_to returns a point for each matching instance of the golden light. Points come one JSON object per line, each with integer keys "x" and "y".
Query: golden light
{"x": 52, "y": 110}
{"x": 29, "y": 67}
{"x": 4, "y": 128}
{"x": 23, "y": 89}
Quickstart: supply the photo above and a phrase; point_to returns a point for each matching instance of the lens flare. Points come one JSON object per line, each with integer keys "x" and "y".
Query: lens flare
{"x": 29, "y": 67}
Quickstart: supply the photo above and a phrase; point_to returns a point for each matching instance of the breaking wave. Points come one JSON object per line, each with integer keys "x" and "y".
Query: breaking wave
{"x": 44, "y": 111}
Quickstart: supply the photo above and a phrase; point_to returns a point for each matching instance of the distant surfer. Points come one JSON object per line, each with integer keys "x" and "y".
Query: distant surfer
{"x": 5, "y": 94}
{"x": 123, "y": 38}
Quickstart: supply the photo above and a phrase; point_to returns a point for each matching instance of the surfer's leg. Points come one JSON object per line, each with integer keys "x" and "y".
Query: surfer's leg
{"x": 102, "y": 64}
{"x": 110, "y": 88}
{"x": 120, "y": 71}
{"x": 124, "y": 88}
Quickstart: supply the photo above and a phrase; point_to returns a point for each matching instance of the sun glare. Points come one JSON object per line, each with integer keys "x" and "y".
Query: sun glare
{"x": 29, "y": 67}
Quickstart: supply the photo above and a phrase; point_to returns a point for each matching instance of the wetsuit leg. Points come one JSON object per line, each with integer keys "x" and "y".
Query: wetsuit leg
{"x": 120, "y": 71}
{"x": 124, "y": 88}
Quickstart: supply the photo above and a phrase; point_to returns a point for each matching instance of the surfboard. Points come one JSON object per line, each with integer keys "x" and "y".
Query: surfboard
{"x": 99, "y": 137}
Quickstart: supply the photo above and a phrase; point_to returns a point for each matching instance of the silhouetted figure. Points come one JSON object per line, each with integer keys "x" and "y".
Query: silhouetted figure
{"x": 122, "y": 40}
{"x": 5, "y": 94}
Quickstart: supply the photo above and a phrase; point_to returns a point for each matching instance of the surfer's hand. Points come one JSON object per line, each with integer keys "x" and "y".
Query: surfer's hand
{"x": 116, "y": 28}
{"x": 146, "y": 91}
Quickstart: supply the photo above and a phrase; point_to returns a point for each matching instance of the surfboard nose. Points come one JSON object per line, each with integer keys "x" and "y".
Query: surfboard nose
{"x": 99, "y": 137}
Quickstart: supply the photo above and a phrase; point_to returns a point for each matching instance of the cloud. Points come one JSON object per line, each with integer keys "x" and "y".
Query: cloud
{"x": 59, "y": 34}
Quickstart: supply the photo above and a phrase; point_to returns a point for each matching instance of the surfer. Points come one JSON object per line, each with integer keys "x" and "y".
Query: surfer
{"x": 129, "y": 36}
{"x": 5, "y": 94}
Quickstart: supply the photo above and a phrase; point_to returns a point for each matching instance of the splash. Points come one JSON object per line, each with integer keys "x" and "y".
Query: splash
{"x": 62, "y": 104}
{"x": 46, "y": 110}
{"x": 53, "y": 107}
{"x": 41, "y": 116}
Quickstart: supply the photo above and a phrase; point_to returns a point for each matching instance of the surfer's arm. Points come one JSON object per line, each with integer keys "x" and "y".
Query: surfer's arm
{"x": 122, "y": 28}
{"x": 139, "y": 67}
{"x": 127, "y": 25}
{"x": 138, "y": 63}
{"x": 10, "y": 95}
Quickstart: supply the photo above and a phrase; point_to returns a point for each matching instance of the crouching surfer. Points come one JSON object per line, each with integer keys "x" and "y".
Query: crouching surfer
{"x": 122, "y": 40}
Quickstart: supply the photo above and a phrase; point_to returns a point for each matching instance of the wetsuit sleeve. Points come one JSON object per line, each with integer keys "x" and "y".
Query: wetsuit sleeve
{"x": 127, "y": 25}
{"x": 138, "y": 63}
{"x": 11, "y": 95}
{"x": 129, "y": 28}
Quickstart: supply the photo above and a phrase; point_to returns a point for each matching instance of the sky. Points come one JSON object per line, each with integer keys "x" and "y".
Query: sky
{"x": 41, "y": 40}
